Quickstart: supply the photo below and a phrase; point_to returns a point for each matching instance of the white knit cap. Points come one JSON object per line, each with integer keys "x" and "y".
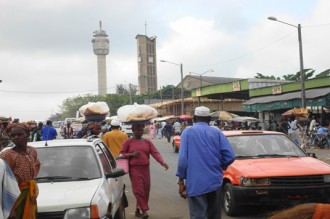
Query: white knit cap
{"x": 115, "y": 122}
{"x": 202, "y": 111}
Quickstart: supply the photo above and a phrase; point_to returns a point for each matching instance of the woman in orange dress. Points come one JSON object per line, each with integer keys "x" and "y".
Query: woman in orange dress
{"x": 25, "y": 165}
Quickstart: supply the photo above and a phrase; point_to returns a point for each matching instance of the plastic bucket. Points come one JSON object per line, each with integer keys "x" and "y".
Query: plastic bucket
{"x": 123, "y": 164}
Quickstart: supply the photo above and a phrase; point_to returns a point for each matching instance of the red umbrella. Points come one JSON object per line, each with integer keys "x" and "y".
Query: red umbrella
{"x": 185, "y": 117}
{"x": 288, "y": 113}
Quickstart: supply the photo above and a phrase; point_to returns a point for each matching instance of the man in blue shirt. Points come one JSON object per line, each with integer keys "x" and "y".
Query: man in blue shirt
{"x": 168, "y": 131}
{"x": 323, "y": 131}
{"x": 204, "y": 153}
{"x": 48, "y": 131}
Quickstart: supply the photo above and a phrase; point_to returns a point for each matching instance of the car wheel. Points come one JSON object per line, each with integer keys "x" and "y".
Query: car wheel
{"x": 229, "y": 202}
{"x": 175, "y": 149}
{"x": 120, "y": 214}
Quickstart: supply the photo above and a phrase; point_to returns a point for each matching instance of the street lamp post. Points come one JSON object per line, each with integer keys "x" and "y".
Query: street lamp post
{"x": 181, "y": 71}
{"x": 200, "y": 75}
{"x": 130, "y": 93}
{"x": 302, "y": 75}
{"x": 200, "y": 81}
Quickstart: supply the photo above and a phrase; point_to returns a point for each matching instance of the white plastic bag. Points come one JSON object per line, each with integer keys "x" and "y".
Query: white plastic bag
{"x": 136, "y": 112}
{"x": 93, "y": 108}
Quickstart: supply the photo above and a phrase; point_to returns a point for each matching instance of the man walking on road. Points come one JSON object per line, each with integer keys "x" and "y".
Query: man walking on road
{"x": 204, "y": 153}
{"x": 115, "y": 138}
{"x": 177, "y": 128}
{"x": 48, "y": 131}
{"x": 168, "y": 131}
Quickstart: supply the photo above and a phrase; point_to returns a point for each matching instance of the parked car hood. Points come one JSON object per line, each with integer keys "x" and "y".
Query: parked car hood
{"x": 291, "y": 166}
{"x": 58, "y": 196}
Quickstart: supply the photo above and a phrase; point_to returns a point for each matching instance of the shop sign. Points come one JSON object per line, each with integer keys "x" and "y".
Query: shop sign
{"x": 198, "y": 92}
{"x": 236, "y": 86}
{"x": 277, "y": 89}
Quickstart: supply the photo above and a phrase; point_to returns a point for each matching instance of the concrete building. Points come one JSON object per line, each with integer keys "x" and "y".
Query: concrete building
{"x": 101, "y": 49}
{"x": 147, "y": 63}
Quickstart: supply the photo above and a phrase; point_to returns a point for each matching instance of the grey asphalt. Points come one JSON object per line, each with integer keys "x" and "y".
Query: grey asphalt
{"x": 165, "y": 202}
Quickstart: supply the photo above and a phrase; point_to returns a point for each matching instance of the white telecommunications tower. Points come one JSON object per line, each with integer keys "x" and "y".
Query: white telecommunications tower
{"x": 101, "y": 49}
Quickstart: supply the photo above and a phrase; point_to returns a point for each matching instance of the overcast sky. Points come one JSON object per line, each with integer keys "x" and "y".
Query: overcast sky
{"x": 46, "y": 52}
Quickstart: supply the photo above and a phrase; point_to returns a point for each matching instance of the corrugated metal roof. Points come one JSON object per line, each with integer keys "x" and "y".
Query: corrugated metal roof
{"x": 310, "y": 94}
{"x": 215, "y": 80}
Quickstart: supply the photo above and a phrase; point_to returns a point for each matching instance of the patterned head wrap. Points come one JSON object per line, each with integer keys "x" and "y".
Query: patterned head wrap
{"x": 94, "y": 125}
{"x": 24, "y": 126}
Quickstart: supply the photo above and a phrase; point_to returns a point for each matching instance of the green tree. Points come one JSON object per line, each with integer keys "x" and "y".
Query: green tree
{"x": 323, "y": 74}
{"x": 296, "y": 77}
{"x": 129, "y": 89}
{"x": 289, "y": 77}
{"x": 261, "y": 76}
{"x": 70, "y": 106}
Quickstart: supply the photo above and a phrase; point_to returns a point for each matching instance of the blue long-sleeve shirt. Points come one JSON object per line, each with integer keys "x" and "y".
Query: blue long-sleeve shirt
{"x": 204, "y": 153}
{"x": 48, "y": 133}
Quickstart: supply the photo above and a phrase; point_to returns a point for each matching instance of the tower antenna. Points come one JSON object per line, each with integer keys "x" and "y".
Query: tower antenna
{"x": 145, "y": 27}
{"x": 100, "y": 26}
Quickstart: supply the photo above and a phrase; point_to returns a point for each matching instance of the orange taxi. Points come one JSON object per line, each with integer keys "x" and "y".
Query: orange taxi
{"x": 270, "y": 169}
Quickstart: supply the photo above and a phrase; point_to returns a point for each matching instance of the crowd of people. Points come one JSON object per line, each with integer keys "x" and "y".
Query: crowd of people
{"x": 299, "y": 129}
{"x": 20, "y": 164}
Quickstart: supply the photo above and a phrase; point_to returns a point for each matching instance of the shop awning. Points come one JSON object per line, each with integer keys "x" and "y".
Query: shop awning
{"x": 314, "y": 97}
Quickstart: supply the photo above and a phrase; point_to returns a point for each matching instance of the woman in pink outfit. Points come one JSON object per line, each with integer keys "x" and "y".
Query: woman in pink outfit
{"x": 152, "y": 130}
{"x": 138, "y": 151}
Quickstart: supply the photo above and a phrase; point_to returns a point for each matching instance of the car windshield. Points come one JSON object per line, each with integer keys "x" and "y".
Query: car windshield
{"x": 67, "y": 163}
{"x": 261, "y": 146}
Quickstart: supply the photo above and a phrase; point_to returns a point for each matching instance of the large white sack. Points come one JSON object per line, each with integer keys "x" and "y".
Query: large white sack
{"x": 93, "y": 108}
{"x": 136, "y": 112}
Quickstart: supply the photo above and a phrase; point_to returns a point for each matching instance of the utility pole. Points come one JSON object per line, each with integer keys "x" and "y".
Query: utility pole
{"x": 301, "y": 61}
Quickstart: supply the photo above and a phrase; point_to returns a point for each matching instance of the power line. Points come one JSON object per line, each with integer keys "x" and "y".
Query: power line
{"x": 25, "y": 111}
{"x": 315, "y": 26}
{"x": 248, "y": 53}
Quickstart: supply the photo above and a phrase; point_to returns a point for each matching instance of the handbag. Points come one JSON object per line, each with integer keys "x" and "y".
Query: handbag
{"x": 123, "y": 164}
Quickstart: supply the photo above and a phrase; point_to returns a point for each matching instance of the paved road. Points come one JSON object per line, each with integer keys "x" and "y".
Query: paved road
{"x": 165, "y": 202}
{"x": 321, "y": 154}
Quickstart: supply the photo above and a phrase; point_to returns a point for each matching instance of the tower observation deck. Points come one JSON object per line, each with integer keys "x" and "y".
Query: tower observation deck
{"x": 101, "y": 49}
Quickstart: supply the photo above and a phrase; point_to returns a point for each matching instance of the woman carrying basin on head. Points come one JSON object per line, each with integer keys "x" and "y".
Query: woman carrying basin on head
{"x": 25, "y": 165}
{"x": 138, "y": 151}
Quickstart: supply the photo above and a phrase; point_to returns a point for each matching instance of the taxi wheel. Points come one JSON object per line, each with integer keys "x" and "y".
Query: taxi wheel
{"x": 229, "y": 201}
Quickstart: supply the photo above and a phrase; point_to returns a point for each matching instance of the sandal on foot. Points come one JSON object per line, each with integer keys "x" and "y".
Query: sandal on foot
{"x": 138, "y": 213}
{"x": 145, "y": 215}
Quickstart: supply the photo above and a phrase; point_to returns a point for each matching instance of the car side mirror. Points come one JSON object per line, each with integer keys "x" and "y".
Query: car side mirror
{"x": 117, "y": 172}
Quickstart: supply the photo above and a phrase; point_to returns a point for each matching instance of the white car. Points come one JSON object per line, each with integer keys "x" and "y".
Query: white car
{"x": 79, "y": 178}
